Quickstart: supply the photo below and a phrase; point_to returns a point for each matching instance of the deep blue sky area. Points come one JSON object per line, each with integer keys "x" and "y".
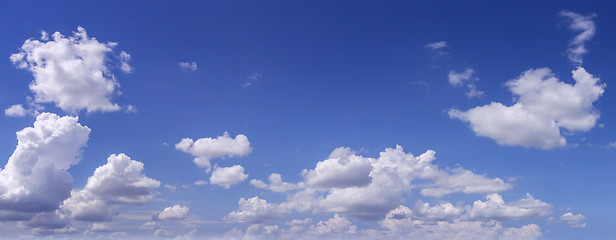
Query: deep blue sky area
{"x": 302, "y": 78}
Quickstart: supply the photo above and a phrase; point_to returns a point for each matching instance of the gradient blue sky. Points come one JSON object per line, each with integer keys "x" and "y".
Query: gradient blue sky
{"x": 302, "y": 78}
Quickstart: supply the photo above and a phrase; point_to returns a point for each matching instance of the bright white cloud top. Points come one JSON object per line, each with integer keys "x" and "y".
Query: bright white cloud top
{"x": 176, "y": 212}
{"x": 205, "y": 149}
{"x": 35, "y": 179}
{"x": 120, "y": 181}
{"x": 544, "y": 106}
{"x": 227, "y": 176}
{"x": 72, "y": 71}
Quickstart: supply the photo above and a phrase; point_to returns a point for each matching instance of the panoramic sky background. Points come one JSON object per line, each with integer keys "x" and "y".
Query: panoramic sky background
{"x": 307, "y": 120}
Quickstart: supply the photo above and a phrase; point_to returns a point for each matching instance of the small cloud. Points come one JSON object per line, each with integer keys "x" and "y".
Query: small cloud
{"x": 170, "y": 187}
{"x": 436, "y": 45}
{"x": 252, "y": 79}
{"x": 16, "y": 110}
{"x": 586, "y": 28}
{"x": 200, "y": 182}
{"x": 124, "y": 59}
{"x": 131, "y": 109}
{"x": 192, "y": 66}
{"x": 576, "y": 221}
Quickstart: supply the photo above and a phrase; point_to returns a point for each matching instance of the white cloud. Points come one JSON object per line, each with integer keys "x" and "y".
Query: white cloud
{"x": 342, "y": 169}
{"x": 99, "y": 227}
{"x": 574, "y": 220}
{"x": 458, "y": 79}
{"x": 227, "y": 176}
{"x": 436, "y": 45}
{"x": 253, "y": 210}
{"x": 333, "y": 226}
{"x": 192, "y": 66}
{"x": 252, "y": 79}
{"x": 401, "y": 223}
{"x": 393, "y": 175}
{"x": 170, "y": 187}
{"x": 276, "y": 184}
{"x": 586, "y": 26}
{"x": 16, "y": 110}
{"x": 131, "y": 109}
{"x": 176, "y": 212}
{"x": 544, "y": 106}
{"x": 35, "y": 178}
{"x": 496, "y": 208}
{"x": 71, "y": 72}
{"x": 125, "y": 58}
{"x": 443, "y": 211}
{"x": 462, "y": 180}
{"x": 120, "y": 181}
{"x": 205, "y": 149}
{"x": 200, "y": 182}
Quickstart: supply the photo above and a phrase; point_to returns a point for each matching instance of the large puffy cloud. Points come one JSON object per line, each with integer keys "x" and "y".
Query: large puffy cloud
{"x": 342, "y": 169}
{"x": 176, "y": 212}
{"x": 35, "y": 179}
{"x": 586, "y": 26}
{"x": 227, "y": 176}
{"x": 120, "y": 181}
{"x": 205, "y": 149}
{"x": 400, "y": 223}
{"x": 71, "y": 72}
{"x": 393, "y": 174}
{"x": 544, "y": 106}
{"x": 496, "y": 208}
{"x": 390, "y": 177}
{"x": 462, "y": 180}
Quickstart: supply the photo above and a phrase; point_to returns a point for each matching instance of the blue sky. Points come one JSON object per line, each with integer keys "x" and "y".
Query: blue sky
{"x": 394, "y": 120}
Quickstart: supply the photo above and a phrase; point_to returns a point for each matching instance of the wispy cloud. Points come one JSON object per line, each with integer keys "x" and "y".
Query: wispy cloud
{"x": 586, "y": 28}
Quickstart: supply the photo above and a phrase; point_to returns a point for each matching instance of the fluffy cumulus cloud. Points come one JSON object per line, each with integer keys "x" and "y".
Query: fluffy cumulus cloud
{"x": 253, "y": 210}
{"x": 205, "y": 149}
{"x": 16, "y": 110}
{"x": 465, "y": 78}
{"x": 374, "y": 186}
{"x": 401, "y": 223}
{"x": 573, "y": 220}
{"x": 496, "y": 208}
{"x": 394, "y": 175}
{"x": 543, "y": 108}
{"x": 35, "y": 178}
{"x": 586, "y": 28}
{"x": 72, "y": 71}
{"x": 342, "y": 169}
{"x": 176, "y": 212}
{"x": 120, "y": 181}
{"x": 227, "y": 176}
